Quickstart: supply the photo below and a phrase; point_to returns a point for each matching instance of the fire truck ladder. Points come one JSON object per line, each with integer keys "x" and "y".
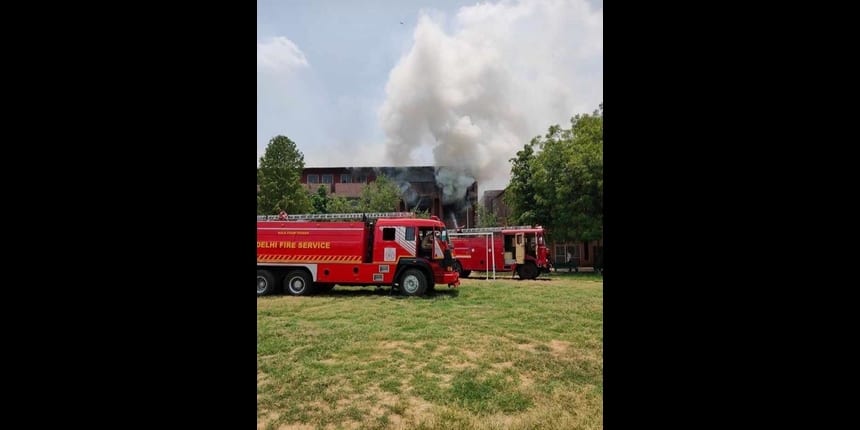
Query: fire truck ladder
{"x": 493, "y": 229}
{"x": 341, "y": 216}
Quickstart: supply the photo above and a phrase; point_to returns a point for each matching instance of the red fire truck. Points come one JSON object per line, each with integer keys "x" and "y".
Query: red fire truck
{"x": 303, "y": 253}
{"x": 519, "y": 249}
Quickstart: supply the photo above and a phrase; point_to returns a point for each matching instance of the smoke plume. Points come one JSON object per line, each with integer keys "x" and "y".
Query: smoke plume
{"x": 475, "y": 90}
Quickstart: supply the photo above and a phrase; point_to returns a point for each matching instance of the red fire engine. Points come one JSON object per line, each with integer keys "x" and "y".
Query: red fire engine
{"x": 520, "y": 249}
{"x": 316, "y": 251}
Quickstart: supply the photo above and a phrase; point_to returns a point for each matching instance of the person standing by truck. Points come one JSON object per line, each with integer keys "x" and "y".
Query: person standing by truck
{"x": 571, "y": 263}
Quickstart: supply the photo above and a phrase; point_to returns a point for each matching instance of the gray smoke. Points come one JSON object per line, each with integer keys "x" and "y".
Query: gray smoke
{"x": 474, "y": 95}
{"x": 408, "y": 194}
{"x": 454, "y": 183}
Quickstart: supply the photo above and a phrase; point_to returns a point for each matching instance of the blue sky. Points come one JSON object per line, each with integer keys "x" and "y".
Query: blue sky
{"x": 458, "y": 83}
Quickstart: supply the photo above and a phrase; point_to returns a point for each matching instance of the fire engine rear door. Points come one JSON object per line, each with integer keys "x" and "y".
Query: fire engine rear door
{"x": 521, "y": 248}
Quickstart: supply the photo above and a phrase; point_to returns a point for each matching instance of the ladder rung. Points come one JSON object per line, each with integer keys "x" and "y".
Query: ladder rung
{"x": 488, "y": 229}
{"x": 339, "y": 216}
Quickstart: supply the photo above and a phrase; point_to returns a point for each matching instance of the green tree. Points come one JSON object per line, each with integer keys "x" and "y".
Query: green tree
{"x": 422, "y": 214}
{"x": 339, "y": 204}
{"x": 520, "y": 194}
{"x": 320, "y": 200}
{"x": 279, "y": 178}
{"x": 381, "y": 195}
{"x": 584, "y": 207}
{"x": 561, "y": 186}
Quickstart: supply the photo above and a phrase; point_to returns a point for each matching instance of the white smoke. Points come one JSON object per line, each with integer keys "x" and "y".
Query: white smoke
{"x": 502, "y": 75}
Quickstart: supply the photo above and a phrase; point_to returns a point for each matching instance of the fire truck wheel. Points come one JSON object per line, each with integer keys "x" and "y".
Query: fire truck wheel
{"x": 297, "y": 282}
{"x": 265, "y": 283}
{"x": 458, "y": 267}
{"x": 528, "y": 271}
{"x": 413, "y": 282}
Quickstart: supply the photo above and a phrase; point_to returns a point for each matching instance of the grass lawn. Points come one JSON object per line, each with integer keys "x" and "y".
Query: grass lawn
{"x": 497, "y": 354}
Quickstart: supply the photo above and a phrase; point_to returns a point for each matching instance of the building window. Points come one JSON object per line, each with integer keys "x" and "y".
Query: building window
{"x": 327, "y": 179}
{"x": 387, "y": 234}
{"x": 345, "y": 178}
{"x": 359, "y": 179}
{"x": 561, "y": 251}
{"x": 313, "y": 179}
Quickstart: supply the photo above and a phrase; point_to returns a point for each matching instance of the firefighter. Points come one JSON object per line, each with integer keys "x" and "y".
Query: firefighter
{"x": 282, "y": 216}
{"x": 571, "y": 263}
{"x": 427, "y": 242}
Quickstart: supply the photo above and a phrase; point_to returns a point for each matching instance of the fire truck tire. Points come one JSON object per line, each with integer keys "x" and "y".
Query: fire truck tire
{"x": 297, "y": 283}
{"x": 265, "y": 283}
{"x": 413, "y": 282}
{"x": 528, "y": 271}
{"x": 457, "y": 266}
{"x": 459, "y": 269}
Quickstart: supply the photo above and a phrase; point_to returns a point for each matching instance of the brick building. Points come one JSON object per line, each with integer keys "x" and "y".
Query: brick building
{"x": 419, "y": 187}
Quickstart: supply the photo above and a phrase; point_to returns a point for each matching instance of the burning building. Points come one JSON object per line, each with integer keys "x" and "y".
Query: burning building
{"x": 445, "y": 192}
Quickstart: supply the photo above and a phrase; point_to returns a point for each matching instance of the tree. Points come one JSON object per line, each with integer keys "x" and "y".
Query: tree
{"x": 561, "y": 186}
{"x": 279, "y": 177}
{"x": 340, "y": 204}
{"x": 320, "y": 200}
{"x": 381, "y": 195}
{"x": 520, "y": 194}
{"x": 585, "y": 165}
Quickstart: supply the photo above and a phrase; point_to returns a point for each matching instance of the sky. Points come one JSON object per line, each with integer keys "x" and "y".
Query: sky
{"x": 455, "y": 83}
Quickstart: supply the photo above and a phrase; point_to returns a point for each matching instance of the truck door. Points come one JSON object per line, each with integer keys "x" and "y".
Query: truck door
{"x": 520, "y": 248}
{"x": 542, "y": 252}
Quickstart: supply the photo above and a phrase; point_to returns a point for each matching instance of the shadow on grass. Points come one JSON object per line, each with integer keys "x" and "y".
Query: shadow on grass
{"x": 348, "y": 292}
{"x": 507, "y": 277}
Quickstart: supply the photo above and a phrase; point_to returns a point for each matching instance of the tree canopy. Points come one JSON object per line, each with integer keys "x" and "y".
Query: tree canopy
{"x": 557, "y": 180}
{"x": 279, "y": 178}
{"x": 381, "y": 195}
